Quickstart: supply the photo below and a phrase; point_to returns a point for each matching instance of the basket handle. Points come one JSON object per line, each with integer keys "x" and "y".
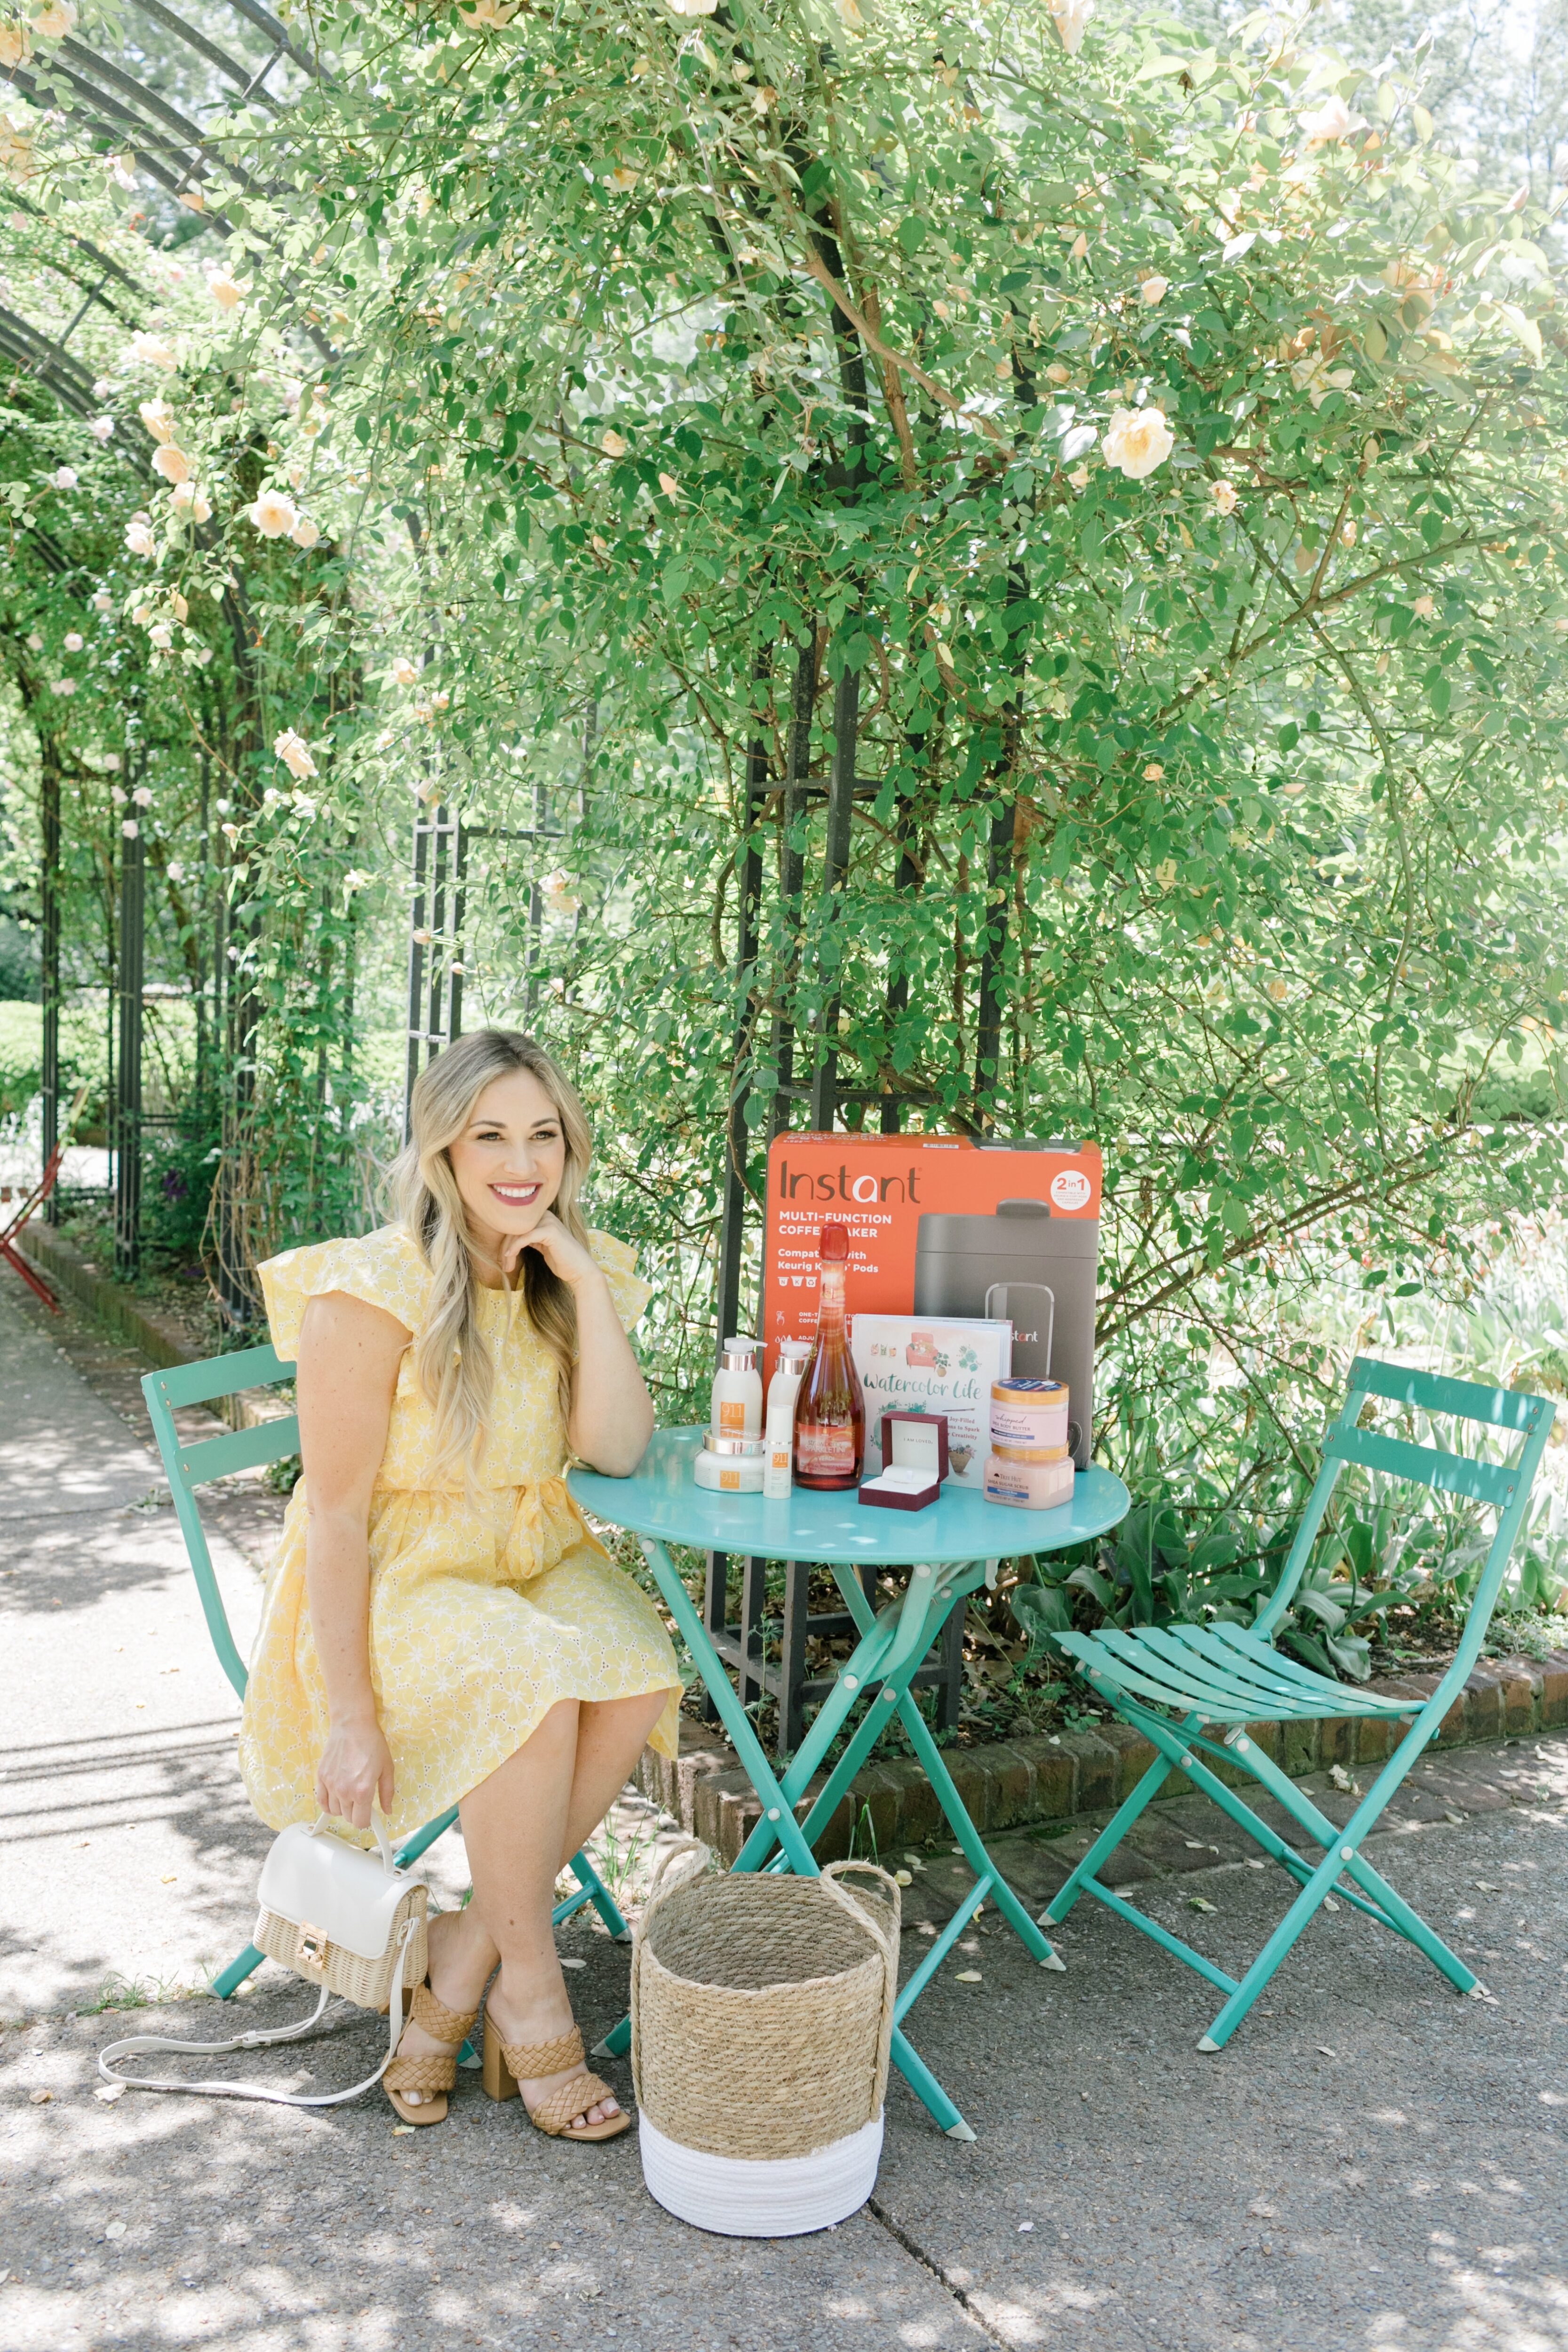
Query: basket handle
{"x": 861, "y": 1913}
{"x": 679, "y": 1849}
{"x": 887, "y": 1944}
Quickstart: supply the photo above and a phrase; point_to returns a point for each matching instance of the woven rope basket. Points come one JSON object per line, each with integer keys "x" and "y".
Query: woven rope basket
{"x": 366, "y": 1982}
{"x": 762, "y": 2018}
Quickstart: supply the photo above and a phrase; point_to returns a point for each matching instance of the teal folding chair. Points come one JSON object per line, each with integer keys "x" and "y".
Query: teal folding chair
{"x": 190, "y": 1466}
{"x": 1169, "y": 1681}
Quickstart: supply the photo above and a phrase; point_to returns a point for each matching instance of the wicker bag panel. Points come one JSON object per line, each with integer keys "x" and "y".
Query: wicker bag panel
{"x": 761, "y": 2012}
{"x": 367, "y": 1983}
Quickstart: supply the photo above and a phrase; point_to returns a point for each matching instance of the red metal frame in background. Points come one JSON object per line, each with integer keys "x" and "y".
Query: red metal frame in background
{"x": 31, "y": 1206}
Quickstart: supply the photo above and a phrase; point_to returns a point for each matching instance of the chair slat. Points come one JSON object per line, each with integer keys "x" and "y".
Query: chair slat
{"x": 1315, "y": 1685}
{"x": 1245, "y": 1664}
{"x": 1435, "y": 1393}
{"x": 1128, "y": 1677}
{"x": 219, "y": 1457}
{"x": 220, "y": 1376}
{"x": 1262, "y": 1659}
{"x": 1195, "y": 1672}
{"x": 1457, "y": 1474}
{"x": 1175, "y": 1672}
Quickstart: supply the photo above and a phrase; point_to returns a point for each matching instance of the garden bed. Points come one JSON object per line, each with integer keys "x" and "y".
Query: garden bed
{"x": 1048, "y": 1780}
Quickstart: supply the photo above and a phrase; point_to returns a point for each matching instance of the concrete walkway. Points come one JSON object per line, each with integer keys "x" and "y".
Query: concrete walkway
{"x": 128, "y": 1840}
{"x": 1374, "y": 2165}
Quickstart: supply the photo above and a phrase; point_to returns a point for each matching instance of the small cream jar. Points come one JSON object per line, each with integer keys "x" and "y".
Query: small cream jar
{"x": 731, "y": 1465}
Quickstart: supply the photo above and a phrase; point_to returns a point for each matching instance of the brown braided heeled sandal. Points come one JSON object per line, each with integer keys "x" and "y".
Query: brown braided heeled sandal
{"x": 507, "y": 2062}
{"x": 434, "y": 2075}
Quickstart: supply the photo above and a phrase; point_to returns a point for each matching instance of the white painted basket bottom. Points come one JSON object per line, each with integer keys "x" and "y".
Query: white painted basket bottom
{"x": 762, "y": 2197}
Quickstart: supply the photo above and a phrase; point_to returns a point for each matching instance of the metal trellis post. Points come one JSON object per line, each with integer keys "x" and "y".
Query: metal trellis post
{"x": 435, "y": 985}
{"x": 50, "y": 895}
{"x": 128, "y": 1092}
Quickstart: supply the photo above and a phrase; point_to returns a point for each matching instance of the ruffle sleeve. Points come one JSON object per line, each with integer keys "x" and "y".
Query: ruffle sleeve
{"x": 384, "y": 1268}
{"x": 617, "y": 1261}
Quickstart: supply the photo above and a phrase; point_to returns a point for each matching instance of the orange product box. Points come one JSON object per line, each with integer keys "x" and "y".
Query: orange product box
{"x": 880, "y": 1186}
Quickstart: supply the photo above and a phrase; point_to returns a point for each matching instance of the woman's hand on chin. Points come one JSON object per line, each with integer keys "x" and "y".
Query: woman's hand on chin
{"x": 356, "y": 1769}
{"x": 561, "y": 1252}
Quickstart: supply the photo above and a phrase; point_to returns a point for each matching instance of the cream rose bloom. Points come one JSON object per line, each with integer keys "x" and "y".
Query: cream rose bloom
{"x": 172, "y": 463}
{"x": 102, "y": 428}
{"x": 1154, "y": 290}
{"x": 1071, "y": 17}
{"x": 228, "y": 292}
{"x": 1223, "y": 495}
{"x": 1137, "y": 440}
{"x": 295, "y": 754}
{"x": 273, "y": 515}
{"x": 150, "y": 351}
{"x": 191, "y": 503}
{"x": 139, "y": 538}
{"x": 1334, "y": 120}
{"x": 159, "y": 419}
{"x": 305, "y": 534}
{"x": 74, "y": 641}
{"x": 404, "y": 671}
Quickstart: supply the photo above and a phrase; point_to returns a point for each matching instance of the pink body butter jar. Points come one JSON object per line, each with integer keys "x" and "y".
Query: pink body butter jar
{"x": 1029, "y": 1416}
{"x": 1029, "y": 1485}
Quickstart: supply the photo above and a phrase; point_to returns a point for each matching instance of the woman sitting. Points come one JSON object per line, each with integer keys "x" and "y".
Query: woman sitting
{"x": 439, "y": 1625}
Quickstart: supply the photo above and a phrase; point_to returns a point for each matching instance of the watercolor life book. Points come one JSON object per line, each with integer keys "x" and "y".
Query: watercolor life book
{"x": 921, "y": 1363}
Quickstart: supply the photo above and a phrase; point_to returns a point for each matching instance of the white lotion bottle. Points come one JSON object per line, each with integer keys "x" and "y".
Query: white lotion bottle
{"x": 783, "y": 1393}
{"x": 737, "y": 1409}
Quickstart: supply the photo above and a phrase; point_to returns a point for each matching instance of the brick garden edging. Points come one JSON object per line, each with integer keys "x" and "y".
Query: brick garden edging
{"x": 1010, "y": 1784}
{"x": 120, "y": 1310}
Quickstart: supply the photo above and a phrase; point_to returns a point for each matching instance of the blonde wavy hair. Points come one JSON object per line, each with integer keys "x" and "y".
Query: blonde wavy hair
{"x": 452, "y": 1361}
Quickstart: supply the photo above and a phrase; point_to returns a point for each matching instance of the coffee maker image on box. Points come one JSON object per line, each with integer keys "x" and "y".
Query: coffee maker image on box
{"x": 1000, "y": 1266}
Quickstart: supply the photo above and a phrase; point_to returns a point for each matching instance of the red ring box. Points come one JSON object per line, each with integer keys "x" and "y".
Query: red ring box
{"x": 914, "y": 1454}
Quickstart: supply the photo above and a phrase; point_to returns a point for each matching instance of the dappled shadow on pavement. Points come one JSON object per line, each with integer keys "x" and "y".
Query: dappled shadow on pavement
{"x": 260, "y": 2229}
{"x": 1373, "y": 2165}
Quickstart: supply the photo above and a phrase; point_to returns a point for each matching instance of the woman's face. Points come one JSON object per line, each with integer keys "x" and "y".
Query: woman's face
{"x": 510, "y": 1159}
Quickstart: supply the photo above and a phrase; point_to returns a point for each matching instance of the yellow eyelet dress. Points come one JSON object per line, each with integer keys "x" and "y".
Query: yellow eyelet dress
{"x": 485, "y": 1609}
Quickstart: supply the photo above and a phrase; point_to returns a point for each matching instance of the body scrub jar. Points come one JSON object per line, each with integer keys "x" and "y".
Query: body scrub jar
{"x": 1028, "y": 1467}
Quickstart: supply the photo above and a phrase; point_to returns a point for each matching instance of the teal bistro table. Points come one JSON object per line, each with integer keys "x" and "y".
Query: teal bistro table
{"x": 950, "y": 1549}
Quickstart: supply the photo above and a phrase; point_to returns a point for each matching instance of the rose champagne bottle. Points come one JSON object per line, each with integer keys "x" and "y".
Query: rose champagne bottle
{"x": 830, "y": 1416}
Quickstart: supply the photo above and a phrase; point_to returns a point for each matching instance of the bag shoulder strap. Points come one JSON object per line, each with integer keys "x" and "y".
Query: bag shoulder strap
{"x": 262, "y": 2040}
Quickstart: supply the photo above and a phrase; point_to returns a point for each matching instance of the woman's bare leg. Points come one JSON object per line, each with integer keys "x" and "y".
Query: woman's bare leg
{"x": 611, "y": 1736}
{"x": 520, "y": 1825}
{"x": 529, "y": 1999}
{"x": 512, "y": 1824}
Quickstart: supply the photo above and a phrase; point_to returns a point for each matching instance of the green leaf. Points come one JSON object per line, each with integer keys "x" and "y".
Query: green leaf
{"x": 1041, "y": 1610}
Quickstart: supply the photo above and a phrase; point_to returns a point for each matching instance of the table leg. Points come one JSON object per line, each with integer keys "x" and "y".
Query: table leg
{"x": 901, "y": 1632}
{"x": 952, "y": 1805}
{"x": 776, "y": 1808}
